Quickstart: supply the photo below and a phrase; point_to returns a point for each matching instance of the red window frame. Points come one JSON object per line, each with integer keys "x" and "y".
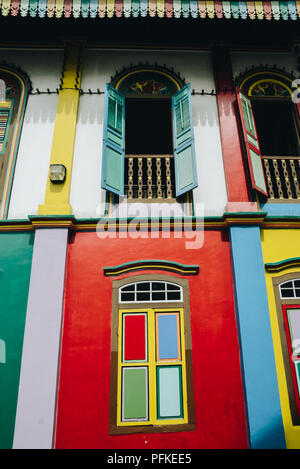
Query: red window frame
{"x": 290, "y": 352}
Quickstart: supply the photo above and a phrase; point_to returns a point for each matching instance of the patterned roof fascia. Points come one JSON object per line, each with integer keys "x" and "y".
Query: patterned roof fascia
{"x": 212, "y": 9}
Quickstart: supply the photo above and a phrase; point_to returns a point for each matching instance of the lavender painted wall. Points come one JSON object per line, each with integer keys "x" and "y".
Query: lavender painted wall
{"x": 39, "y": 368}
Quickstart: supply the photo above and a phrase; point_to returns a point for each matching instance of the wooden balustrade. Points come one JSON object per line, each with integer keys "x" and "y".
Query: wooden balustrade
{"x": 149, "y": 177}
{"x": 283, "y": 177}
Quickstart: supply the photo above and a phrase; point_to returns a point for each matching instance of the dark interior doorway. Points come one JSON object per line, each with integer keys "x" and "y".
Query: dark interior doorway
{"x": 148, "y": 126}
{"x": 276, "y": 124}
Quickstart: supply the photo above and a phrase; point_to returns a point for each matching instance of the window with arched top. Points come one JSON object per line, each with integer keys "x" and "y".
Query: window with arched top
{"x": 148, "y": 139}
{"x": 270, "y": 127}
{"x": 151, "y": 369}
{"x": 140, "y": 292}
{"x": 13, "y": 98}
{"x": 290, "y": 289}
{"x": 287, "y": 295}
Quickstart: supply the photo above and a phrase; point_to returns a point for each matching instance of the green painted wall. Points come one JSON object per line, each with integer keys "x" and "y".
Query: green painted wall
{"x": 15, "y": 266}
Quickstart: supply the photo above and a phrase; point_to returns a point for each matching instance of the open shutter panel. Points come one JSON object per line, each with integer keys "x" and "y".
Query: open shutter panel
{"x": 113, "y": 142}
{"x": 257, "y": 174}
{"x": 183, "y": 136}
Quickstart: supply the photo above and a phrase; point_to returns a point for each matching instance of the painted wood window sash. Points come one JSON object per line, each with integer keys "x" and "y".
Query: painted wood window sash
{"x": 113, "y": 142}
{"x": 293, "y": 350}
{"x": 257, "y": 175}
{"x": 152, "y": 363}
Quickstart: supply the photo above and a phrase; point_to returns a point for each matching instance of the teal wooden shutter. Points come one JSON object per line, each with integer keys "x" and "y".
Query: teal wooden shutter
{"x": 113, "y": 141}
{"x": 183, "y": 136}
{"x": 253, "y": 154}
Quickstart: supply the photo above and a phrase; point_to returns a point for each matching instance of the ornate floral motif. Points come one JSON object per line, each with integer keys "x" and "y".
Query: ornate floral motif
{"x": 269, "y": 88}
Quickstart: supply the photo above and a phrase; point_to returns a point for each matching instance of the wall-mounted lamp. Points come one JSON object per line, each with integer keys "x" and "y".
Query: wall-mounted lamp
{"x": 57, "y": 173}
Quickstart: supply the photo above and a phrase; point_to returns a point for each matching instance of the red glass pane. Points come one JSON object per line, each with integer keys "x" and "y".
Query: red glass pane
{"x": 134, "y": 337}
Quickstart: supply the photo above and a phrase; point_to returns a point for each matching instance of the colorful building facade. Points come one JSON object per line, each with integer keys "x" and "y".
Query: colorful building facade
{"x": 149, "y": 225}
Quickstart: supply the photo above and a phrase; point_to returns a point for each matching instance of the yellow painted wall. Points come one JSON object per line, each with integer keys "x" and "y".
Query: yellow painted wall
{"x": 278, "y": 245}
{"x": 57, "y": 195}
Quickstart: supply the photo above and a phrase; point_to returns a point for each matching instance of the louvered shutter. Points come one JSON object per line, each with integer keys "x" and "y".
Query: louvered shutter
{"x": 5, "y": 118}
{"x": 113, "y": 142}
{"x": 253, "y": 154}
{"x": 183, "y": 139}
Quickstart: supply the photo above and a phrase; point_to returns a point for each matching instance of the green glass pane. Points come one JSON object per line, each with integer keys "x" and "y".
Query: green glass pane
{"x": 169, "y": 392}
{"x": 135, "y": 394}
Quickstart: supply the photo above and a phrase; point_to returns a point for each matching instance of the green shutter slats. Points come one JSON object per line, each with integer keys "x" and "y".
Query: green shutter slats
{"x": 213, "y": 9}
{"x": 183, "y": 142}
{"x": 253, "y": 155}
{"x": 113, "y": 142}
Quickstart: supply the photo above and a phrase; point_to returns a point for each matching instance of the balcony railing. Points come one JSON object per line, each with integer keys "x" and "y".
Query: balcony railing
{"x": 149, "y": 177}
{"x": 283, "y": 177}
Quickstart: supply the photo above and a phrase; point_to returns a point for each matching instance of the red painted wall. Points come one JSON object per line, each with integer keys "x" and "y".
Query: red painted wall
{"x": 83, "y": 402}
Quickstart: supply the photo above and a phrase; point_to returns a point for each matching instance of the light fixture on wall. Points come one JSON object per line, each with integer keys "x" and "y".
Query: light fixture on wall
{"x": 57, "y": 173}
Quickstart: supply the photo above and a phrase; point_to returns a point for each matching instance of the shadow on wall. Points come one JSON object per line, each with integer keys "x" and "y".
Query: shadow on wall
{"x": 91, "y": 109}
{"x": 205, "y": 111}
{"x": 271, "y": 436}
{"x": 41, "y": 109}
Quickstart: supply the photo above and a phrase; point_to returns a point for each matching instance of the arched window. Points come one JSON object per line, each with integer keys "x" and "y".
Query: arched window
{"x": 151, "y": 380}
{"x": 287, "y": 295}
{"x": 148, "y": 139}
{"x": 12, "y": 109}
{"x": 140, "y": 292}
{"x": 270, "y": 124}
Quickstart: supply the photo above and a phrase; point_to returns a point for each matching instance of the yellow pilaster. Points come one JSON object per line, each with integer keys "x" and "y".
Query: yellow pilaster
{"x": 57, "y": 195}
